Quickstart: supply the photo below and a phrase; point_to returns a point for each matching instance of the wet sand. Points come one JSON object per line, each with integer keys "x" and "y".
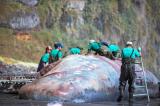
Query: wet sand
{"x": 12, "y": 100}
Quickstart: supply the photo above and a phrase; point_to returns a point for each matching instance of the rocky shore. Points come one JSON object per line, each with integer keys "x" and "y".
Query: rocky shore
{"x": 14, "y": 74}
{"x": 11, "y": 67}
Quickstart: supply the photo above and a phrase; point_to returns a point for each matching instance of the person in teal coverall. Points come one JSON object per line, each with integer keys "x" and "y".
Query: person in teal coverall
{"x": 95, "y": 46}
{"x": 75, "y": 50}
{"x": 114, "y": 49}
{"x": 129, "y": 54}
{"x": 56, "y": 54}
{"x": 44, "y": 59}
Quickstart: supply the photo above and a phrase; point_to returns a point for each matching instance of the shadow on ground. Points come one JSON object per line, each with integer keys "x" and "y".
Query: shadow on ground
{"x": 12, "y": 100}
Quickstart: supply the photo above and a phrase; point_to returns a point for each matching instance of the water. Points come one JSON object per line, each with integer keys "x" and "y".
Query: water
{"x": 12, "y": 100}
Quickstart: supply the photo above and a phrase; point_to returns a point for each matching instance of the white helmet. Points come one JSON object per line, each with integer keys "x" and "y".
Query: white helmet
{"x": 91, "y": 41}
{"x": 129, "y": 43}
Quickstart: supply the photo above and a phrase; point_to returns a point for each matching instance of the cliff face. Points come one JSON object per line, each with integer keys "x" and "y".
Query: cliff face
{"x": 80, "y": 20}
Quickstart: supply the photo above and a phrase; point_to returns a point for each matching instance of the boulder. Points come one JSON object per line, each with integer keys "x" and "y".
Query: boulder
{"x": 24, "y": 20}
{"x": 29, "y": 2}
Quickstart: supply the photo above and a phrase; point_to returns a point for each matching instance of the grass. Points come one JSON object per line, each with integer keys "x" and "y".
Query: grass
{"x": 33, "y": 49}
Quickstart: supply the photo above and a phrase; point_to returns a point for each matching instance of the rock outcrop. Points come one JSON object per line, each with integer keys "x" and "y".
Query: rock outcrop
{"x": 22, "y": 20}
{"x": 29, "y": 2}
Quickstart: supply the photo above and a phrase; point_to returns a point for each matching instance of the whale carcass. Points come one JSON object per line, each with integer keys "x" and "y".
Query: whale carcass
{"x": 79, "y": 78}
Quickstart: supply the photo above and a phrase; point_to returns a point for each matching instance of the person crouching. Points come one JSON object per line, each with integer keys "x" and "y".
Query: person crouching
{"x": 44, "y": 59}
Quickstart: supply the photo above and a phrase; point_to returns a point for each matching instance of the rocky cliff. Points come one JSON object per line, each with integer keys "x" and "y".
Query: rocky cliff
{"x": 80, "y": 20}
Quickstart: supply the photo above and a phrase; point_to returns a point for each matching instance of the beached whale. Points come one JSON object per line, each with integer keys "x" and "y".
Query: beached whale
{"x": 79, "y": 78}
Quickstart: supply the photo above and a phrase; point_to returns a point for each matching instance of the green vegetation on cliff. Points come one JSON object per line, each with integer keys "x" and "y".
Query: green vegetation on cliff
{"x": 115, "y": 20}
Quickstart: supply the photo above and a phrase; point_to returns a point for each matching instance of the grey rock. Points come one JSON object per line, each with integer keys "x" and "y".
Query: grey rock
{"x": 16, "y": 69}
{"x": 29, "y": 2}
{"x": 23, "y": 20}
{"x": 77, "y": 4}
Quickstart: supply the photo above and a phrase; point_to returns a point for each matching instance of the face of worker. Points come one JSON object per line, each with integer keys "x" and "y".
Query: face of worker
{"x": 129, "y": 46}
{"x": 49, "y": 50}
{"x": 60, "y": 48}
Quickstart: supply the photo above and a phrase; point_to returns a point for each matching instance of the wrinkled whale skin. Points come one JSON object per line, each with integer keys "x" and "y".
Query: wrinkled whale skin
{"x": 79, "y": 78}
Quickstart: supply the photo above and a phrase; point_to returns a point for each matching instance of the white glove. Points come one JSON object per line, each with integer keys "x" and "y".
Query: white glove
{"x": 139, "y": 49}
